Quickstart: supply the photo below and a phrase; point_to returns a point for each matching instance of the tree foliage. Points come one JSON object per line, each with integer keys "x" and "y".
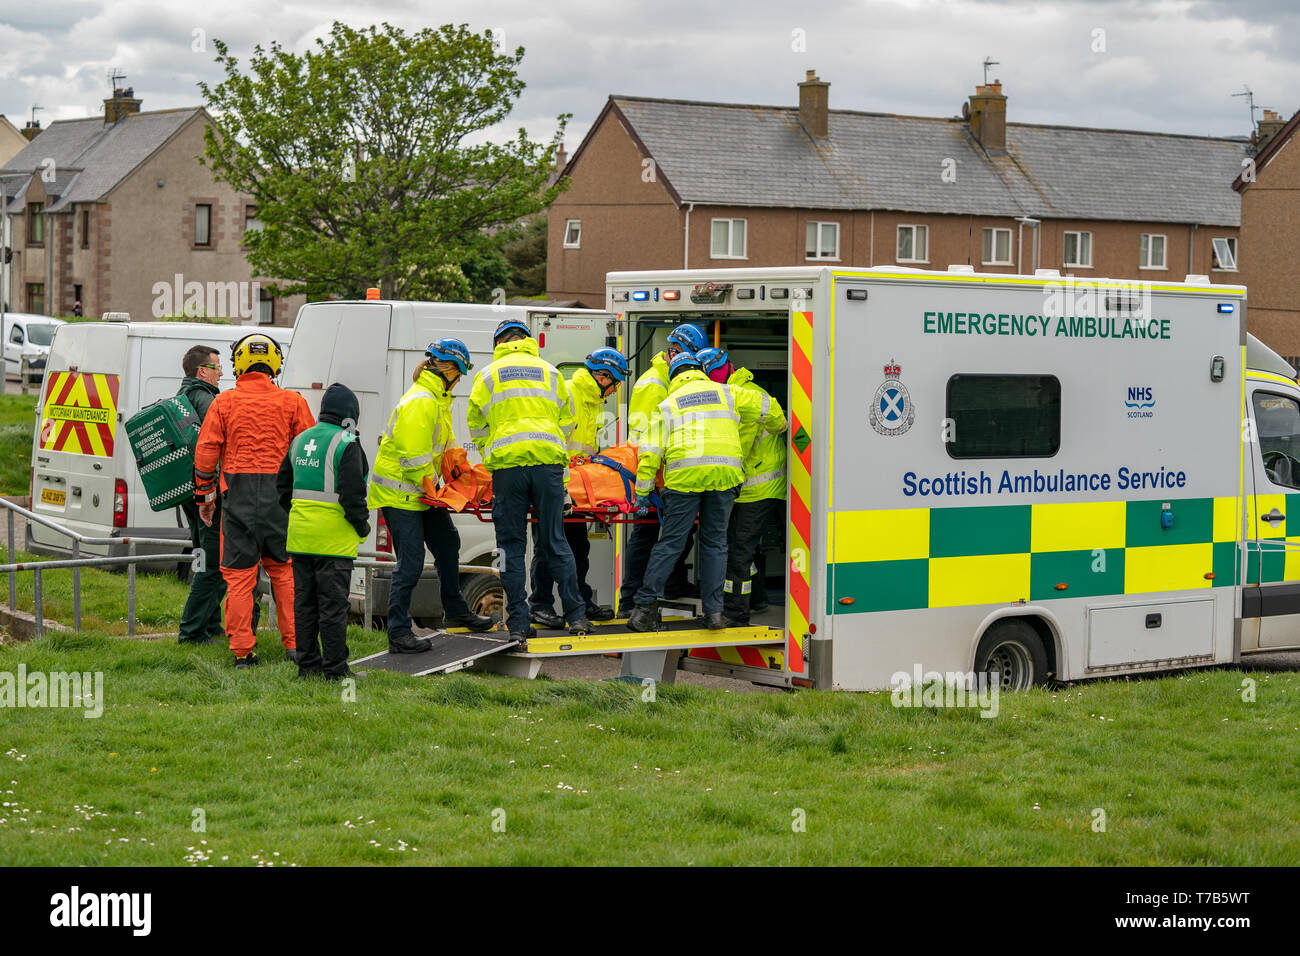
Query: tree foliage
{"x": 368, "y": 160}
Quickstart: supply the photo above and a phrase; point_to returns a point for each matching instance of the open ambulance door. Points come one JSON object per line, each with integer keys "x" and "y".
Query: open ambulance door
{"x": 1271, "y": 589}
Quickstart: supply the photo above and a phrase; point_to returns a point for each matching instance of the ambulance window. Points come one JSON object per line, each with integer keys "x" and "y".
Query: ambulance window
{"x": 1004, "y": 416}
{"x": 1277, "y": 420}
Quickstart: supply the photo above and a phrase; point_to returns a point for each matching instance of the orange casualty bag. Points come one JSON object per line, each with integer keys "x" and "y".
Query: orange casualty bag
{"x": 606, "y": 479}
{"x": 463, "y": 484}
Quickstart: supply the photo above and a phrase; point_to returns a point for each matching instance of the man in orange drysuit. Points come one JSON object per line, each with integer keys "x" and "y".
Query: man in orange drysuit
{"x": 246, "y": 434}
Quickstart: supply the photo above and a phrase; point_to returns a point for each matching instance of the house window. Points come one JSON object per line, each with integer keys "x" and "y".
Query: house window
{"x": 572, "y": 233}
{"x": 822, "y": 240}
{"x": 35, "y": 222}
{"x": 728, "y": 239}
{"x": 36, "y": 298}
{"x": 1225, "y": 254}
{"x": 85, "y": 229}
{"x": 1078, "y": 249}
{"x": 997, "y": 247}
{"x": 265, "y": 308}
{"x": 913, "y": 243}
{"x": 251, "y": 222}
{"x": 1004, "y": 416}
{"x": 203, "y": 224}
{"x": 1153, "y": 252}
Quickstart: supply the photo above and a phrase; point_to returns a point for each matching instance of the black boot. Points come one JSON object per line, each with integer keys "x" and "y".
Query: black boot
{"x": 545, "y": 617}
{"x": 599, "y": 612}
{"x": 580, "y": 626}
{"x": 714, "y": 621}
{"x": 475, "y": 622}
{"x": 644, "y": 618}
{"x": 408, "y": 644}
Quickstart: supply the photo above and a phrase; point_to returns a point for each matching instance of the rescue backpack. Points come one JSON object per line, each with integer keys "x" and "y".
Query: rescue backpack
{"x": 162, "y": 438}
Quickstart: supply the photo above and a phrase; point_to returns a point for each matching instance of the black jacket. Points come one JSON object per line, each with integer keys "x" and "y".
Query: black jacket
{"x": 200, "y": 394}
{"x": 339, "y": 405}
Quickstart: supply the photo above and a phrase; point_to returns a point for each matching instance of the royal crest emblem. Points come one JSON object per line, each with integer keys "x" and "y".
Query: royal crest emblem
{"x": 891, "y": 411}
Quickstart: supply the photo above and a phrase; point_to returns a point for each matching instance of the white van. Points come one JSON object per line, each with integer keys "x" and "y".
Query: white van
{"x": 99, "y": 374}
{"x": 29, "y": 335}
{"x": 373, "y": 348}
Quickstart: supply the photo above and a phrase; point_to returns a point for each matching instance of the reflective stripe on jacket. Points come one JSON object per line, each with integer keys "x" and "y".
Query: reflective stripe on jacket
{"x": 418, "y": 434}
{"x": 764, "y": 448}
{"x": 316, "y": 521}
{"x": 586, "y": 403}
{"x": 650, "y": 389}
{"x": 695, "y": 432}
{"x": 519, "y": 409}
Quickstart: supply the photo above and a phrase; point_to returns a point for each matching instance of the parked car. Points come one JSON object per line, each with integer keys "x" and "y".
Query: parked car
{"x": 30, "y": 335}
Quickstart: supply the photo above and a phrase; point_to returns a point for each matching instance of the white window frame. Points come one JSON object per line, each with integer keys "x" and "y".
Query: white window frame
{"x": 1229, "y": 246}
{"x": 568, "y": 226}
{"x": 1082, "y": 264}
{"x": 731, "y": 239}
{"x": 818, "y": 253}
{"x": 925, "y": 230}
{"x": 994, "y": 230}
{"x": 1164, "y": 252}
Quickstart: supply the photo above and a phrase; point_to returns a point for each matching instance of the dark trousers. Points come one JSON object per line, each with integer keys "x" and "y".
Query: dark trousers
{"x": 637, "y": 555}
{"x": 411, "y": 533}
{"x": 513, "y": 490}
{"x": 202, "y": 615}
{"x": 539, "y": 572}
{"x": 749, "y": 519}
{"x": 320, "y": 607}
{"x": 682, "y": 507}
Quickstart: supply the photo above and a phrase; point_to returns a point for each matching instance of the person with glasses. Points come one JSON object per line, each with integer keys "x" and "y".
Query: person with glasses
{"x": 201, "y": 619}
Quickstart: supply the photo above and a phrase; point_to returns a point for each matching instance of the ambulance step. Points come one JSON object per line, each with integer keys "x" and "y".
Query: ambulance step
{"x": 672, "y": 635}
{"x": 450, "y": 652}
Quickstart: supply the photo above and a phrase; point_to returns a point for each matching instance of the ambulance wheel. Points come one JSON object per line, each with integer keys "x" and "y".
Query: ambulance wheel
{"x": 1015, "y": 651}
{"x": 484, "y": 595}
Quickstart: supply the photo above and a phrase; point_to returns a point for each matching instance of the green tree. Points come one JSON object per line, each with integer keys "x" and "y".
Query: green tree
{"x": 526, "y": 254}
{"x": 366, "y": 161}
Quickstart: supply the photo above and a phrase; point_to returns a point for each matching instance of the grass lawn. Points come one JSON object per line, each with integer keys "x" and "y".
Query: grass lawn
{"x": 17, "y": 418}
{"x": 418, "y": 770}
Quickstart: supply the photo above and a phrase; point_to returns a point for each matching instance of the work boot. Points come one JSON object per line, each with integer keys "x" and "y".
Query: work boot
{"x": 714, "y": 621}
{"x": 196, "y": 641}
{"x": 408, "y": 644}
{"x": 644, "y": 618}
{"x": 347, "y": 672}
{"x": 523, "y": 639}
{"x": 545, "y": 617}
{"x": 598, "y": 612}
{"x": 248, "y": 660}
{"x": 581, "y": 626}
{"x": 475, "y": 622}
{"x": 729, "y": 621}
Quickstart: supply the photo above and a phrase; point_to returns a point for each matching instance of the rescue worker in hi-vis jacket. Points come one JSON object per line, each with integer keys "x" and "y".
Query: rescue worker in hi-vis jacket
{"x": 695, "y": 434}
{"x": 245, "y": 436}
{"x": 762, "y": 494}
{"x": 322, "y": 485}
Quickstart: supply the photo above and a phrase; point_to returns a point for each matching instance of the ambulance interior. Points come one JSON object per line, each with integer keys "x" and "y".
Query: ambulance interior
{"x": 758, "y": 341}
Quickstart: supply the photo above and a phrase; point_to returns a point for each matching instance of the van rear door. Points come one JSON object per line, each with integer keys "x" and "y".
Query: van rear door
{"x": 78, "y": 430}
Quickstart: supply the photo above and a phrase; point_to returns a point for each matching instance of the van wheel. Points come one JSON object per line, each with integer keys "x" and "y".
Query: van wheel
{"x": 1015, "y": 652}
{"x": 484, "y": 595}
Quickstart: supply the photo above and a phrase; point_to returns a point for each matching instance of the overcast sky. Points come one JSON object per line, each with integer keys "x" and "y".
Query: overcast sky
{"x": 1170, "y": 66}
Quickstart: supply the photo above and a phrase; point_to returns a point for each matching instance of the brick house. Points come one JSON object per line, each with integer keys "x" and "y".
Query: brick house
{"x": 116, "y": 212}
{"x": 661, "y": 184}
{"x": 1270, "y": 235}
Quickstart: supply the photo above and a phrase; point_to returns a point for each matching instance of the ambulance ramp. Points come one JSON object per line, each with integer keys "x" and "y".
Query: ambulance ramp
{"x": 450, "y": 652}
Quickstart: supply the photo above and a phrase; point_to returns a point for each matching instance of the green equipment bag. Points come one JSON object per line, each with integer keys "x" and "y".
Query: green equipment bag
{"x": 163, "y": 436}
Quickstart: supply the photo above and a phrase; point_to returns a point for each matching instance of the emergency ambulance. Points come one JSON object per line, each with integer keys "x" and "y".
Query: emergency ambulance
{"x": 98, "y": 375}
{"x": 1035, "y": 475}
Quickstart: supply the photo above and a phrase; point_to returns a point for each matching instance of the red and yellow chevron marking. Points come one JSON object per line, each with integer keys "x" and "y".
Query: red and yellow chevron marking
{"x": 80, "y": 413}
{"x": 767, "y": 657}
{"x": 800, "y": 472}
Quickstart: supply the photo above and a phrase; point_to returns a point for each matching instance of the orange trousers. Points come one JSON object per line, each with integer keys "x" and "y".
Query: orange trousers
{"x": 241, "y": 583}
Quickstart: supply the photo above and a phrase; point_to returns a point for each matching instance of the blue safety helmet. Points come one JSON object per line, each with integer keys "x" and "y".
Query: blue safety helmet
{"x": 510, "y": 325}
{"x": 711, "y": 358}
{"x": 682, "y": 362}
{"x": 688, "y": 338}
{"x": 451, "y": 350}
{"x": 608, "y": 360}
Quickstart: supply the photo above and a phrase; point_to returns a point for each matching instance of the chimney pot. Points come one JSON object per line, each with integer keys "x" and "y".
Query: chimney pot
{"x": 31, "y": 128}
{"x": 814, "y": 105}
{"x": 1269, "y": 127}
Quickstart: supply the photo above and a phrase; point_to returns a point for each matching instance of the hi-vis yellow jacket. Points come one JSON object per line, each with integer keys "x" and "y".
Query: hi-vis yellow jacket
{"x": 519, "y": 409}
{"x": 412, "y": 446}
{"x": 764, "y": 448}
{"x": 586, "y": 403}
{"x": 650, "y": 389}
{"x": 695, "y": 432}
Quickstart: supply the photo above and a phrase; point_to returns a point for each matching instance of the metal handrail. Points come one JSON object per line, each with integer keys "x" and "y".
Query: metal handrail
{"x": 77, "y": 562}
{"x": 368, "y": 561}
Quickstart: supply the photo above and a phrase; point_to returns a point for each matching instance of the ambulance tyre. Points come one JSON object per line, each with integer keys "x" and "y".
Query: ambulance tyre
{"x": 1013, "y": 649}
{"x": 484, "y": 595}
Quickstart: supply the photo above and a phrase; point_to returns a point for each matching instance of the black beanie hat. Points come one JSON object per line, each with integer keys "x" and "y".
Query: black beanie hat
{"x": 341, "y": 404}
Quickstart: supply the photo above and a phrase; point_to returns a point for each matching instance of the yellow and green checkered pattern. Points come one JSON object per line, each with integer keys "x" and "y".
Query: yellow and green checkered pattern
{"x": 950, "y": 557}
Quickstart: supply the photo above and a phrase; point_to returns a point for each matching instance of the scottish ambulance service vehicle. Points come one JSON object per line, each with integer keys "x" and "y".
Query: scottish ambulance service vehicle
{"x": 374, "y": 346}
{"x": 98, "y": 375}
{"x": 1024, "y": 474}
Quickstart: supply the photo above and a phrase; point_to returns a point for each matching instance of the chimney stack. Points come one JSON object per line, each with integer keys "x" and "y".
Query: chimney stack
{"x": 31, "y": 129}
{"x": 561, "y": 158}
{"x": 814, "y": 105}
{"x": 122, "y": 103}
{"x": 988, "y": 116}
{"x": 1269, "y": 127}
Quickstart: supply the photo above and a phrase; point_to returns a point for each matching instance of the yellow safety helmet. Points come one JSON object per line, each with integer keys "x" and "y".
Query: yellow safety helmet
{"x": 256, "y": 349}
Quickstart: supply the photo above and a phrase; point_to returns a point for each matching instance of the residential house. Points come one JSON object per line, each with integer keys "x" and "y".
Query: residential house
{"x": 11, "y": 139}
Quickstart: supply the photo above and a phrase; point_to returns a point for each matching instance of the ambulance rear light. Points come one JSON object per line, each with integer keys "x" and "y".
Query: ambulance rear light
{"x": 857, "y": 295}
{"x": 779, "y": 293}
{"x": 671, "y": 295}
{"x": 119, "y": 503}
{"x": 744, "y": 293}
{"x": 641, "y": 295}
{"x": 618, "y": 296}
{"x": 1226, "y": 308}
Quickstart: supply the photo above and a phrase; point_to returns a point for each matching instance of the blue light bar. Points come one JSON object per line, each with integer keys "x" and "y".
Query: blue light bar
{"x": 640, "y": 295}
{"x": 1226, "y": 307}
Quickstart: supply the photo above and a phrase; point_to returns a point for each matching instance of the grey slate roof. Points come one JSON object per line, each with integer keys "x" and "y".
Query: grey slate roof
{"x": 734, "y": 155}
{"x": 102, "y": 156}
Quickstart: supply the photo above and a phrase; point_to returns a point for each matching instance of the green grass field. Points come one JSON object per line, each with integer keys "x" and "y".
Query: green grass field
{"x": 16, "y": 422}
{"x": 479, "y": 769}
